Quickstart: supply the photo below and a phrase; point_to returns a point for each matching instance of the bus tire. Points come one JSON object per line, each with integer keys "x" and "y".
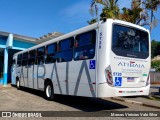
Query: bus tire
{"x": 49, "y": 92}
{"x": 18, "y": 84}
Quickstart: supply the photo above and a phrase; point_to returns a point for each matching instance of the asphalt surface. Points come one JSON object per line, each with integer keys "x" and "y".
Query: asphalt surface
{"x": 12, "y": 99}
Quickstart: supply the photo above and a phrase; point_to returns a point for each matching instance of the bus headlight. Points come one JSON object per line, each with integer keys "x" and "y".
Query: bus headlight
{"x": 108, "y": 74}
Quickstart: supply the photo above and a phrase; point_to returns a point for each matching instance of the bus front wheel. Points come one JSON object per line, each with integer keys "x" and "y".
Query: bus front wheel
{"x": 49, "y": 93}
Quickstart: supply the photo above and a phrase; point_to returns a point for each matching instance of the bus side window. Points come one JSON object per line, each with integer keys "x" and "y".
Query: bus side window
{"x": 25, "y": 59}
{"x": 40, "y": 55}
{"x": 50, "y": 53}
{"x": 65, "y": 53}
{"x": 24, "y": 62}
{"x": 85, "y": 46}
{"x": 31, "y": 57}
{"x": 19, "y": 60}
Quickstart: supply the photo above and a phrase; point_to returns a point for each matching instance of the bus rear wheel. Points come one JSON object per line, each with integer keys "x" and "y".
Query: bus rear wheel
{"x": 49, "y": 93}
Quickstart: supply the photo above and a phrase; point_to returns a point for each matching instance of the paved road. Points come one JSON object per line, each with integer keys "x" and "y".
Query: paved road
{"x": 12, "y": 99}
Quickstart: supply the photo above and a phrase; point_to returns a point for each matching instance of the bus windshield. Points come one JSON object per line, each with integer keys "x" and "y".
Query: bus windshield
{"x": 130, "y": 42}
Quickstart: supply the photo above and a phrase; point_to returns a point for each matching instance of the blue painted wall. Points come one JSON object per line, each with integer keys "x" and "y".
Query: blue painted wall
{"x": 3, "y": 40}
{"x": 16, "y": 43}
{"x": 21, "y": 44}
{"x": 1, "y": 81}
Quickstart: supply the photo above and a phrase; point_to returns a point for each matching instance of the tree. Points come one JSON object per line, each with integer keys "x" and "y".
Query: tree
{"x": 132, "y": 14}
{"x": 94, "y": 8}
{"x": 135, "y": 14}
{"x": 152, "y": 6}
{"x": 110, "y": 10}
{"x": 92, "y": 21}
{"x": 154, "y": 48}
{"x": 156, "y": 65}
{"x": 157, "y": 49}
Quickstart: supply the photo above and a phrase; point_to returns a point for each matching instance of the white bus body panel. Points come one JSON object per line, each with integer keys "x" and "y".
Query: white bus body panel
{"x": 116, "y": 63}
{"x": 68, "y": 78}
{"x": 114, "y": 92}
{"x": 77, "y": 79}
{"x": 72, "y": 78}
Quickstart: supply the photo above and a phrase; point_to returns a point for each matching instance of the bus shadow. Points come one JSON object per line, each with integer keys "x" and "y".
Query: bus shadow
{"x": 132, "y": 96}
{"x": 88, "y": 104}
{"x": 31, "y": 91}
{"x": 81, "y": 103}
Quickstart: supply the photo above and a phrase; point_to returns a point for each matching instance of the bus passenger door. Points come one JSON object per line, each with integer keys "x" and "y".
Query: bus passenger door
{"x": 13, "y": 71}
{"x": 30, "y": 74}
{"x": 24, "y": 77}
{"x": 40, "y": 70}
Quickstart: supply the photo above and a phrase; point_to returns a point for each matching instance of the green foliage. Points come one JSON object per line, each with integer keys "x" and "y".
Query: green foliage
{"x": 110, "y": 10}
{"x": 156, "y": 64}
{"x": 154, "y": 48}
{"x": 131, "y": 14}
{"x": 152, "y": 6}
{"x": 157, "y": 49}
{"x": 92, "y": 21}
{"x": 135, "y": 14}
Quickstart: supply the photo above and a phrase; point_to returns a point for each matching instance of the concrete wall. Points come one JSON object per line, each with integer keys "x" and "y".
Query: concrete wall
{"x": 155, "y": 77}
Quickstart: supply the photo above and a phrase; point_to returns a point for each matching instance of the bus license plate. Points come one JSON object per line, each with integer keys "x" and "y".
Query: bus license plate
{"x": 130, "y": 79}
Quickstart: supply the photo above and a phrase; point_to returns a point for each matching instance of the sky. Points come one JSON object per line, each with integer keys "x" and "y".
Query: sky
{"x": 36, "y": 18}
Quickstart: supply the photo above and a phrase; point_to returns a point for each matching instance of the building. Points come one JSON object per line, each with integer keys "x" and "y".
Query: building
{"x": 12, "y": 43}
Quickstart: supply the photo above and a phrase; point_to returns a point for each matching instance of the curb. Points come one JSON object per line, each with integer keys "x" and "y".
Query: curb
{"x": 137, "y": 103}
